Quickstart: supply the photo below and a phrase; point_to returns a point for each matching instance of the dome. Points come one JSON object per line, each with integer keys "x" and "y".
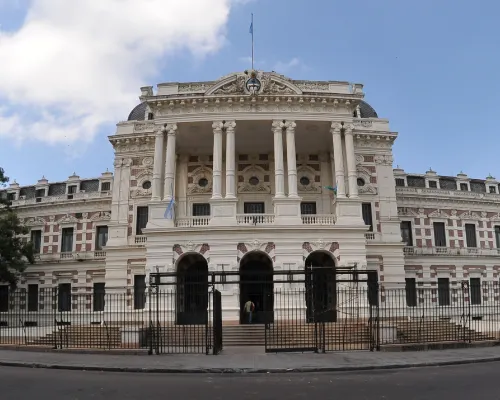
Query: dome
{"x": 138, "y": 113}
{"x": 367, "y": 110}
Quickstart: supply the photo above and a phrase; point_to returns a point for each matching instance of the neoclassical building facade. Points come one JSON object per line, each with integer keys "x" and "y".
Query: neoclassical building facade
{"x": 257, "y": 171}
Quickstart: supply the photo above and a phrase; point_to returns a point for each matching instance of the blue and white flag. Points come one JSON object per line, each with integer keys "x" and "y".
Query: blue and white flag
{"x": 169, "y": 211}
{"x": 251, "y": 28}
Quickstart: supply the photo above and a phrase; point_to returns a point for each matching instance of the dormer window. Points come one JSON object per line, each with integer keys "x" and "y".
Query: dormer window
{"x": 72, "y": 189}
{"x": 40, "y": 193}
{"x": 433, "y": 184}
{"x": 105, "y": 186}
{"x": 151, "y": 116}
{"x": 400, "y": 182}
{"x": 492, "y": 189}
{"x": 464, "y": 187}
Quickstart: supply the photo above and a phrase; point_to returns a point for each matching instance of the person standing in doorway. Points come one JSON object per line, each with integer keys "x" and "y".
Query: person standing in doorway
{"x": 248, "y": 308}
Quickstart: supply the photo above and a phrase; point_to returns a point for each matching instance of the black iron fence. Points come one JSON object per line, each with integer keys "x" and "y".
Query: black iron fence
{"x": 352, "y": 316}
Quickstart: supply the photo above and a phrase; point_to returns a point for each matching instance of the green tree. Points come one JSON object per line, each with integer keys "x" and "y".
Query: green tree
{"x": 15, "y": 254}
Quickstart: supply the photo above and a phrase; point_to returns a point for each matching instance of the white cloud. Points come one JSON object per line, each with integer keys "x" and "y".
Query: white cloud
{"x": 75, "y": 65}
{"x": 282, "y": 67}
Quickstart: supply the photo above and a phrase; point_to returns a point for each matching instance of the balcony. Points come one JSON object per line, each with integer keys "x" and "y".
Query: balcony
{"x": 318, "y": 219}
{"x": 255, "y": 219}
{"x": 372, "y": 236}
{"x": 72, "y": 256}
{"x": 433, "y": 192}
{"x": 190, "y": 222}
{"x": 450, "y": 252}
{"x": 61, "y": 198}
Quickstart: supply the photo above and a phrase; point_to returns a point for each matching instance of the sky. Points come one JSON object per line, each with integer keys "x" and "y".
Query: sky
{"x": 69, "y": 71}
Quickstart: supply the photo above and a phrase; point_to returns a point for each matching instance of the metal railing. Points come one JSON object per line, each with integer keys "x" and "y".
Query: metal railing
{"x": 296, "y": 316}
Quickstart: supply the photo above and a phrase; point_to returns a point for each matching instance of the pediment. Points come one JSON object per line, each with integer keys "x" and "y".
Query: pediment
{"x": 67, "y": 219}
{"x": 34, "y": 221}
{"x": 266, "y": 83}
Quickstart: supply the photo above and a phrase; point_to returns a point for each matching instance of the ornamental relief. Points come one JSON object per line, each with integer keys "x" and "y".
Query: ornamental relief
{"x": 200, "y": 180}
{"x": 101, "y": 216}
{"x": 33, "y": 221}
{"x": 253, "y": 180}
{"x": 306, "y": 180}
{"x": 135, "y": 145}
{"x": 364, "y": 181}
{"x": 383, "y": 159}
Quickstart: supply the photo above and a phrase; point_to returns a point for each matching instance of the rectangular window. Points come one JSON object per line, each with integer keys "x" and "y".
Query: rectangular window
{"x": 470, "y": 235}
{"x": 101, "y": 237}
{"x": 406, "y": 233}
{"x": 72, "y": 189}
{"x": 40, "y": 193}
{"x": 99, "y": 295}
{"x": 308, "y": 208}
{"x": 67, "y": 240}
{"x": 475, "y": 291}
{"x": 433, "y": 184}
{"x": 366, "y": 210}
{"x": 4, "y": 298}
{"x": 444, "y": 291}
{"x": 142, "y": 219}
{"x": 33, "y": 297}
{"x": 492, "y": 189}
{"x": 464, "y": 187}
{"x": 64, "y": 297}
{"x": 201, "y": 209}
{"x": 411, "y": 292}
{"x": 254, "y": 208}
{"x": 105, "y": 186}
{"x": 439, "y": 234}
{"x": 11, "y": 196}
{"x": 497, "y": 236}
{"x": 400, "y": 182}
{"x": 36, "y": 240}
{"x": 139, "y": 292}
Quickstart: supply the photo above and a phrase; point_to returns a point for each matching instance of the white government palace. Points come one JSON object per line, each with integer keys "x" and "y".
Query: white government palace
{"x": 238, "y": 173}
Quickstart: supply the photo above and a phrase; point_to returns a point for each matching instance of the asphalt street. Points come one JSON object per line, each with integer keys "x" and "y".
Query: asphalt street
{"x": 471, "y": 381}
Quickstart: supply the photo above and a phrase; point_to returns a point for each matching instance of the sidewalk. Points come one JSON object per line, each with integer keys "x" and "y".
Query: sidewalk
{"x": 245, "y": 360}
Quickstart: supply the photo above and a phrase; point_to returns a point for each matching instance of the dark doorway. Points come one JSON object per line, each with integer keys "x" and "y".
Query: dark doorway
{"x": 321, "y": 288}
{"x": 256, "y": 284}
{"x": 192, "y": 290}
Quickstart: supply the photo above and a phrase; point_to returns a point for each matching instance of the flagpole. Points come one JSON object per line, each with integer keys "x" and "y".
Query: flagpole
{"x": 252, "y": 40}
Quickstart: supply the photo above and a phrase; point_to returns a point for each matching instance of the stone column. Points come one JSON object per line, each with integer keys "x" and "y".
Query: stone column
{"x": 351, "y": 162}
{"x": 291, "y": 159}
{"x": 158, "y": 163}
{"x": 277, "y": 128}
{"x": 170, "y": 162}
{"x": 217, "y": 161}
{"x": 338, "y": 159}
{"x": 230, "y": 160}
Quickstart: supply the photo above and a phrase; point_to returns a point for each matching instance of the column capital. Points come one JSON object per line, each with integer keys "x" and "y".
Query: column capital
{"x": 170, "y": 128}
{"x": 290, "y": 125}
{"x": 278, "y": 125}
{"x": 335, "y": 127}
{"x": 230, "y": 125}
{"x": 217, "y": 126}
{"x": 348, "y": 128}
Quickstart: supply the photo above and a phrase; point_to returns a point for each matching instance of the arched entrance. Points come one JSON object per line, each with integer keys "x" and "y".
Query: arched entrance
{"x": 256, "y": 284}
{"x": 321, "y": 287}
{"x": 192, "y": 289}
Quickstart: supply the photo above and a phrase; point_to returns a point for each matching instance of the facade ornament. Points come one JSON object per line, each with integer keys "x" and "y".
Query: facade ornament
{"x": 190, "y": 246}
{"x": 200, "y": 181}
{"x": 218, "y": 126}
{"x": 147, "y": 161}
{"x": 85, "y": 215}
{"x": 335, "y": 127}
{"x": 320, "y": 244}
{"x": 118, "y": 162}
{"x": 270, "y": 85}
{"x": 234, "y": 86}
{"x": 362, "y": 123}
{"x": 255, "y": 244}
{"x": 101, "y": 216}
{"x": 383, "y": 159}
{"x": 34, "y": 221}
{"x": 290, "y": 125}
{"x": 359, "y": 159}
{"x": 67, "y": 219}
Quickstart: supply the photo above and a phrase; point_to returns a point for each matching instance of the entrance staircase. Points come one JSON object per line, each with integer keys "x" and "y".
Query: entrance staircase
{"x": 243, "y": 335}
{"x": 82, "y": 336}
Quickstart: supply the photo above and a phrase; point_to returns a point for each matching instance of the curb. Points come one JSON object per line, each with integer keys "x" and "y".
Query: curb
{"x": 243, "y": 370}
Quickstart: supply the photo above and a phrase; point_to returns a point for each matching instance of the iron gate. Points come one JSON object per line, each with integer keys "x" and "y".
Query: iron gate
{"x": 217, "y": 322}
